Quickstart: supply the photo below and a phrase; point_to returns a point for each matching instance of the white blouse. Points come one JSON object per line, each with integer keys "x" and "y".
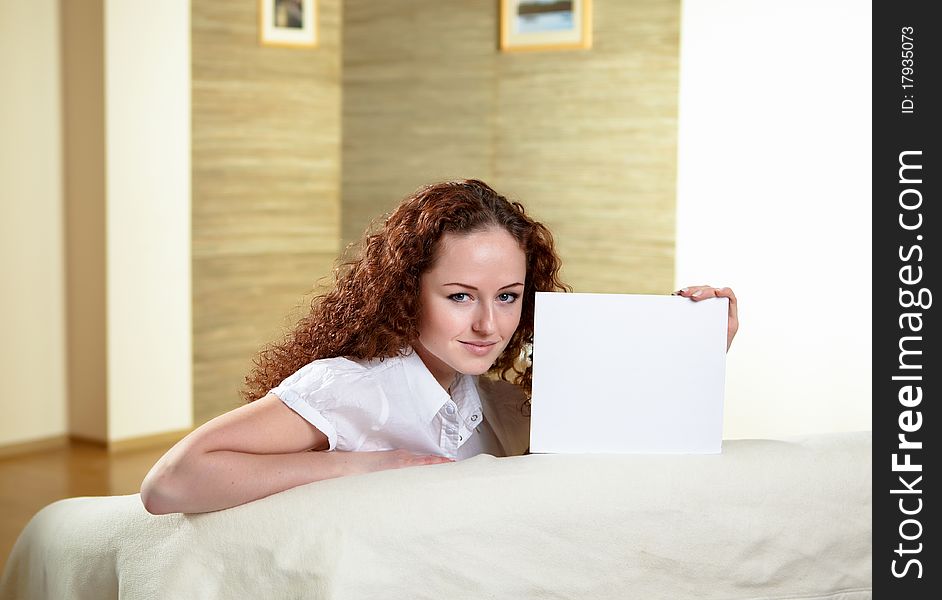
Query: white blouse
{"x": 389, "y": 404}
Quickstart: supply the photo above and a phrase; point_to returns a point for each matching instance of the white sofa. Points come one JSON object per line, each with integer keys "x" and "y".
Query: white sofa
{"x": 764, "y": 519}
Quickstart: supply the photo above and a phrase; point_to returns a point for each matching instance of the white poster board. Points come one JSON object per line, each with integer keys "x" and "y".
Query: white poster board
{"x": 628, "y": 373}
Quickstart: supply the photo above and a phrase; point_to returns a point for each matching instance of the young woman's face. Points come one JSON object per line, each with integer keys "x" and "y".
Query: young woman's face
{"x": 471, "y": 301}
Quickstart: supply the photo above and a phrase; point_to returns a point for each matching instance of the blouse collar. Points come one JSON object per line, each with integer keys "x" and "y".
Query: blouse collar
{"x": 430, "y": 396}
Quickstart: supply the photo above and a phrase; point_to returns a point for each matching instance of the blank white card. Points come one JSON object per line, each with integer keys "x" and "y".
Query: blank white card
{"x": 628, "y": 373}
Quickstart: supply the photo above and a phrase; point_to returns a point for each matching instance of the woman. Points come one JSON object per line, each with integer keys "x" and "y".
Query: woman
{"x": 384, "y": 371}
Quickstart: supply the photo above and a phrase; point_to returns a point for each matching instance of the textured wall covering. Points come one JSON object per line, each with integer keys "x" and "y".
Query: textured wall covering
{"x": 266, "y": 178}
{"x": 419, "y": 104}
{"x": 585, "y": 139}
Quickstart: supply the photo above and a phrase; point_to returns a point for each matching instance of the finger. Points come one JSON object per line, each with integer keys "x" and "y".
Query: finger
{"x": 733, "y": 326}
{"x": 733, "y": 308}
{"x": 689, "y": 290}
{"x": 698, "y": 292}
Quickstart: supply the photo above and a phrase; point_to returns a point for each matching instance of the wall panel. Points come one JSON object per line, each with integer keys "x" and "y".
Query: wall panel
{"x": 266, "y": 181}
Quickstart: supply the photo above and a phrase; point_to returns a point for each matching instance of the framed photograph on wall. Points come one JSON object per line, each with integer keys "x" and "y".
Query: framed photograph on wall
{"x": 287, "y": 23}
{"x": 545, "y": 25}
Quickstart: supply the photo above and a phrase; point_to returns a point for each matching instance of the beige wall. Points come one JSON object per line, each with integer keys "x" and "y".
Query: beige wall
{"x": 32, "y": 305}
{"x": 266, "y": 180}
{"x": 265, "y": 175}
{"x": 84, "y": 202}
{"x": 585, "y": 139}
{"x": 101, "y": 262}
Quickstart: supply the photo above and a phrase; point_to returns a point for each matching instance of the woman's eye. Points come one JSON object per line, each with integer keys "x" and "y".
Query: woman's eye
{"x": 506, "y": 297}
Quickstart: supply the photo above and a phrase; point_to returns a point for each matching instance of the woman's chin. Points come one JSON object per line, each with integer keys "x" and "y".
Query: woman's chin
{"x": 475, "y": 366}
{"x": 479, "y": 370}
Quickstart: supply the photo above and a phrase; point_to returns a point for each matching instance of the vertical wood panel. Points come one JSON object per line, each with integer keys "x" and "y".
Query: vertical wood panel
{"x": 588, "y": 139}
{"x": 418, "y": 102}
{"x": 266, "y": 178}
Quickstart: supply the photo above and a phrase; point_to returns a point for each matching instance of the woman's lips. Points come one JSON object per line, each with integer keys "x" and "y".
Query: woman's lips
{"x": 478, "y": 348}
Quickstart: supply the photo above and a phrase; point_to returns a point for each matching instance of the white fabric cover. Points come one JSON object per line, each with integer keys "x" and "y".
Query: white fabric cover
{"x": 764, "y": 519}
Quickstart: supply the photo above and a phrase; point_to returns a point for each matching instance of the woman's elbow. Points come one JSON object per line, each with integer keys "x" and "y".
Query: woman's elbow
{"x": 157, "y": 493}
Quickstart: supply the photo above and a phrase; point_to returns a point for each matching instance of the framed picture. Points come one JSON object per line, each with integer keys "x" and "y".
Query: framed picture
{"x": 287, "y": 23}
{"x": 545, "y": 25}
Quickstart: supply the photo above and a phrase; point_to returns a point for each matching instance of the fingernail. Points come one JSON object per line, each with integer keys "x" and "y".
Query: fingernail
{"x": 697, "y": 293}
{"x": 684, "y": 289}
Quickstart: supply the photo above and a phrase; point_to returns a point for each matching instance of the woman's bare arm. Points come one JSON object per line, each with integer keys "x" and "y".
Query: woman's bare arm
{"x": 252, "y": 452}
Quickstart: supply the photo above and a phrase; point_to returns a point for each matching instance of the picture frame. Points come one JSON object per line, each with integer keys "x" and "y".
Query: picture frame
{"x": 287, "y": 23}
{"x": 542, "y": 25}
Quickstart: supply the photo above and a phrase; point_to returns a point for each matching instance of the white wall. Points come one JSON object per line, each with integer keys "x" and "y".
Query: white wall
{"x": 774, "y": 200}
{"x": 32, "y": 302}
{"x": 147, "y": 98}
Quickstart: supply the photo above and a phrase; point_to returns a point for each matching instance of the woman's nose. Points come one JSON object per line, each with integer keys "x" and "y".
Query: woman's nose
{"x": 484, "y": 320}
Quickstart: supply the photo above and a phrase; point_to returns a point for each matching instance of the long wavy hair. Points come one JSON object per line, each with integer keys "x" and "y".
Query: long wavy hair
{"x": 372, "y": 310}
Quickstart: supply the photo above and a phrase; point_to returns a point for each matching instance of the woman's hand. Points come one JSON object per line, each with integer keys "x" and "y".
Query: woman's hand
{"x": 702, "y": 292}
{"x": 368, "y": 462}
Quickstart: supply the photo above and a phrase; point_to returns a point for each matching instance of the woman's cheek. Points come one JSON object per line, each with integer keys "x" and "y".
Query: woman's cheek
{"x": 513, "y": 318}
{"x": 455, "y": 318}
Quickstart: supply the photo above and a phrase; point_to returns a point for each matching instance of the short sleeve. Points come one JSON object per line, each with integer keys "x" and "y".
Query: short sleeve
{"x": 312, "y": 393}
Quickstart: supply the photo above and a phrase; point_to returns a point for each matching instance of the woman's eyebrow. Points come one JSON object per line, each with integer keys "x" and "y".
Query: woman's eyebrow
{"x": 471, "y": 287}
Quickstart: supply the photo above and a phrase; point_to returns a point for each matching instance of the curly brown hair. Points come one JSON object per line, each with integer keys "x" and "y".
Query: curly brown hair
{"x": 372, "y": 310}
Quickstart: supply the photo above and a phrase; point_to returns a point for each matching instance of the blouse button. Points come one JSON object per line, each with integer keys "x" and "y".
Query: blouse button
{"x": 474, "y": 417}
{"x": 450, "y": 409}
{"x": 451, "y": 430}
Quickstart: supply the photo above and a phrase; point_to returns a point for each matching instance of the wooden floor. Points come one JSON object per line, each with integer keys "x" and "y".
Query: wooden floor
{"x": 29, "y": 482}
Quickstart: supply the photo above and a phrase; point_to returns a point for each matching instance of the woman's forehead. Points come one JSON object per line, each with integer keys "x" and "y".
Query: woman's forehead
{"x": 490, "y": 245}
{"x": 489, "y": 253}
